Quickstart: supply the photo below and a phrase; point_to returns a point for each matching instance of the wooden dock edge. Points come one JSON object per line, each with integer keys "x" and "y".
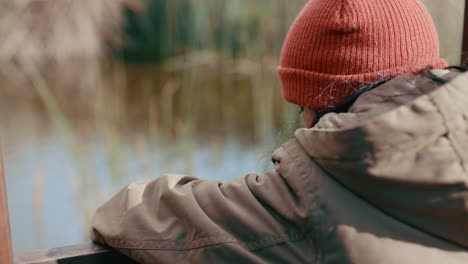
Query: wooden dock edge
{"x": 6, "y": 256}
{"x": 90, "y": 253}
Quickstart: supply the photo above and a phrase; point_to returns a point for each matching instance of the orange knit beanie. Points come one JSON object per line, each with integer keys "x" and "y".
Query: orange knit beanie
{"x": 337, "y": 46}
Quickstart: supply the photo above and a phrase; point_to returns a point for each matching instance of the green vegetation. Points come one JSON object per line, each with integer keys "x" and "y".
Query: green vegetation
{"x": 230, "y": 27}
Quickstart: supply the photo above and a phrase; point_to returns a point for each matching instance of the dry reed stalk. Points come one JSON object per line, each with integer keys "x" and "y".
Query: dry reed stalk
{"x": 37, "y": 196}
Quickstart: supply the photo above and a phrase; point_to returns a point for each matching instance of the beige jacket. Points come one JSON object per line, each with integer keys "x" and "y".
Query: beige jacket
{"x": 386, "y": 183}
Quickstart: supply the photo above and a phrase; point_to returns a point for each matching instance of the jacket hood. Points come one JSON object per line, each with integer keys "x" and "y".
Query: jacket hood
{"x": 403, "y": 147}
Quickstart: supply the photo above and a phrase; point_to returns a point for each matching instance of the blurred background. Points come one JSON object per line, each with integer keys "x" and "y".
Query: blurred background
{"x": 97, "y": 94}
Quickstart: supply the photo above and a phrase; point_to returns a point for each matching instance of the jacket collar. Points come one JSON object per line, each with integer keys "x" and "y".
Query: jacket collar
{"x": 403, "y": 147}
{"x": 398, "y": 115}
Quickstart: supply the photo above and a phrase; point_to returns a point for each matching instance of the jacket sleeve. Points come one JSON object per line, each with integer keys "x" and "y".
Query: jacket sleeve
{"x": 182, "y": 219}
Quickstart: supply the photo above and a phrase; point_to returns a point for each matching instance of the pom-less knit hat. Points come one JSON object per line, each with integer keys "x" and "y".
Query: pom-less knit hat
{"x": 337, "y": 46}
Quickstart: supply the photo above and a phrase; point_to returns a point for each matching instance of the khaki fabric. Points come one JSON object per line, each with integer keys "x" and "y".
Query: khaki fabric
{"x": 384, "y": 183}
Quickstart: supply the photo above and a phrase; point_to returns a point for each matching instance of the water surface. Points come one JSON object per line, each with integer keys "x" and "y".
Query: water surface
{"x": 74, "y": 135}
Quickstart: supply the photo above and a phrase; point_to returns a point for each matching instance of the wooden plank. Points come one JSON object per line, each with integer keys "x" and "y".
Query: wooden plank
{"x": 464, "y": 56}
{"x": 80, "y": 254}
{"x": 5, "y": 235}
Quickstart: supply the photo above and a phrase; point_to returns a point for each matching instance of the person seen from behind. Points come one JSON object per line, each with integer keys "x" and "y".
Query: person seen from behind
{"x": 379, "y": 174}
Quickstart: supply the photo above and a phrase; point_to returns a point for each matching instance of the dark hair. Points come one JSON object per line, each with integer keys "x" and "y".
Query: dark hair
{"x": 344, "y": 107}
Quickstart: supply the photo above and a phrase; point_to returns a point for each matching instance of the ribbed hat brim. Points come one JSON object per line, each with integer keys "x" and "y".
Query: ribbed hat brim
{"x": 320, "y": 91}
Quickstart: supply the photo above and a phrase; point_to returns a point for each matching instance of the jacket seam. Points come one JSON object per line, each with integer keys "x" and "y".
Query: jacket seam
{"x": 447, "y": 127}
{"x": 159, "y": 244}
{"x": 316, "y": 215}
